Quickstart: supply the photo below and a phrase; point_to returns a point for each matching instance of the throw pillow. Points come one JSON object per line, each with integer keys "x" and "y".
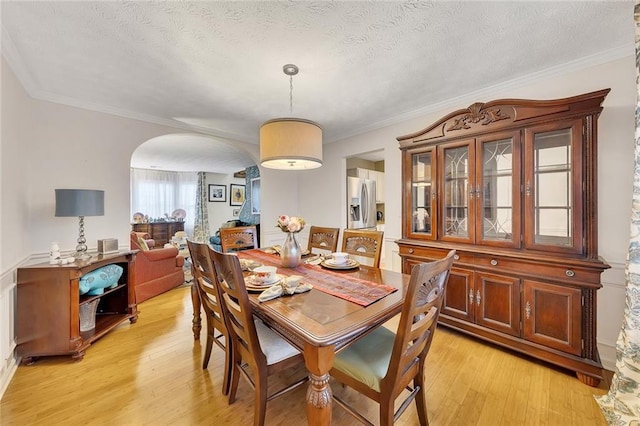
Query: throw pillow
{"x": 95, "y": 282}
{"x": 143, "y": 244}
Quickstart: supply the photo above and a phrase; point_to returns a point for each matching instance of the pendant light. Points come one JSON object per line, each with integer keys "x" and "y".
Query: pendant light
{"x": 290, "y": 143}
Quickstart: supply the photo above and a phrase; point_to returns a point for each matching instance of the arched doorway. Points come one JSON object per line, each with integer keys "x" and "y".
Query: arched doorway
{"x": 165, "y": 169}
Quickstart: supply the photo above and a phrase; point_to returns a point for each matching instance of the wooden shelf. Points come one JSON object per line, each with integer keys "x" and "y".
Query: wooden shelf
{"x": 88, "y": 299}
{"x": 48, "y": 310}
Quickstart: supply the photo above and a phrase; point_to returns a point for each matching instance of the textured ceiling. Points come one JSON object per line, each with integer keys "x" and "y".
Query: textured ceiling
{"x": 217, "y": 66}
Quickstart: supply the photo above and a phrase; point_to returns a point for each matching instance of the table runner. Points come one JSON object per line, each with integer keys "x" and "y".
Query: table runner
{"x": 341, "y": 285}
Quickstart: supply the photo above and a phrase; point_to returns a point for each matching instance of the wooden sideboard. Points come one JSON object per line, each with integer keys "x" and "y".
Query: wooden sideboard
{"x": 511, "y": 185}
{"x": 161, "y": 232}
{"x": 49, "y": 300}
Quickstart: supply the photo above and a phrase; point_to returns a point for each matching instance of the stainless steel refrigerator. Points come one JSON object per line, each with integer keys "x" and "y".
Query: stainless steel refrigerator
{"x": 361, "y": 203}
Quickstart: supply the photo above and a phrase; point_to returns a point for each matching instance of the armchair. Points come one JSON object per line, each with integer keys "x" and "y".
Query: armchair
{"x": 157, "y": 270}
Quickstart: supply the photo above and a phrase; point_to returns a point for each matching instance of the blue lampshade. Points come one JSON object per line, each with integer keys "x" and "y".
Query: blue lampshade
{"x": 79, "y": 202}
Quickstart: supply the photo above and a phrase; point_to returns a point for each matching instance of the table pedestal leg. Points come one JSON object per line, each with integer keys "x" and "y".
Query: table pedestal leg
{"x": 197, "y": 321}
{"x": 319, "y": 404}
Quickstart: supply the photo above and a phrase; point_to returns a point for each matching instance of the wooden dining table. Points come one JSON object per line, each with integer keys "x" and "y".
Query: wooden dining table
{"x": 320, "y": 324}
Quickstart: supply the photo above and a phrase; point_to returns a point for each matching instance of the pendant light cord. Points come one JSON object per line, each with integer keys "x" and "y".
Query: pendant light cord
{"x": 291, "y": 95}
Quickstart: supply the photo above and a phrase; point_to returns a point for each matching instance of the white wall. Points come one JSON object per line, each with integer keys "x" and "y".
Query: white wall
{"x": 220, "y": 212}
{"x": 14, "y": 228}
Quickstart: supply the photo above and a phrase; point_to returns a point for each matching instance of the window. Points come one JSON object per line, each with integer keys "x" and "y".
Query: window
{"x": 157, "y": 193}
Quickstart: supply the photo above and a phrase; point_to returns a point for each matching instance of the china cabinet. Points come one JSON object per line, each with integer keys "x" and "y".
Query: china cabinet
{"x": 511, "y": 185}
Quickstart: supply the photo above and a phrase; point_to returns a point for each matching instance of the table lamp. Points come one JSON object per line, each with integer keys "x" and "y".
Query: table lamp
{"x": 80, "y": 203}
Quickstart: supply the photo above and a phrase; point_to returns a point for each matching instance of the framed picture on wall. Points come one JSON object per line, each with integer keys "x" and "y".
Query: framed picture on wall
{"x": 236, "y": 197}
{"x": 255, "y": 196}
{"x": 218, "y": 193}
{"x": 236, "y": 212}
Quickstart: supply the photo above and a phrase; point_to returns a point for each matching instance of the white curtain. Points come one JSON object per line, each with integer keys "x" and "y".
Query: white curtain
{"x": 201, "y": 229}
{"x": 621, "y": 406}
{"x": 157, "y": 194}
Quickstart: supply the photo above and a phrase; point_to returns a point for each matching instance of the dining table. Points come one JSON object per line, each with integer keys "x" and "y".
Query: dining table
{"x": 343, "y": 305}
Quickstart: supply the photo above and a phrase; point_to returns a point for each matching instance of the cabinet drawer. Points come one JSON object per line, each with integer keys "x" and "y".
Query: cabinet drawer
{"x": 141, "y": 227}
{"x": 430, "y": 253}
{"x": 564, "y": 273}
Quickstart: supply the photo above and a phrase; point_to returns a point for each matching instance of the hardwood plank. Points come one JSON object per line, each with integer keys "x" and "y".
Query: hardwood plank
{"x": 151, "y": 373}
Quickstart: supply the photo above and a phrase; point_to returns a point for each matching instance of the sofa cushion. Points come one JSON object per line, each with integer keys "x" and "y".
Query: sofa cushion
{"x": 143, "y": 244}
{"x": 96, "y": 281}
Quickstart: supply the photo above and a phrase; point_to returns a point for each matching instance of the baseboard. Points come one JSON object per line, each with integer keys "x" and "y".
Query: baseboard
{"x": 7, "y": 373}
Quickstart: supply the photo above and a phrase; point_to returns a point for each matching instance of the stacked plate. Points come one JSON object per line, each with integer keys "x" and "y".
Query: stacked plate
{"x": 252, "y": 283}
{"x": 331, "y": 264}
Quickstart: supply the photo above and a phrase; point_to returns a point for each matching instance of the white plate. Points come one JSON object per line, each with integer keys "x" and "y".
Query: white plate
{"x": 252, "y": 281}
{"x": 331, "y": 264}
{"x": 179, "y": 214}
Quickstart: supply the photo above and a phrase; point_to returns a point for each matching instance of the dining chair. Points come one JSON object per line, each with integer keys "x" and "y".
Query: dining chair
{"x": 362, "y": 243}
{"x": 323, "y": 238}
{"x": 256, "y": 349}
{"x": 383, "y": 364}
{"x": 208, "y": 290}
{"x": 238, "y": 238}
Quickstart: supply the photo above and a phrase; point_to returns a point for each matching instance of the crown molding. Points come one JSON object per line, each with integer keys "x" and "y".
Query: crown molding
{"x": 489, "y": 91}
{"x": 17, "y": 65}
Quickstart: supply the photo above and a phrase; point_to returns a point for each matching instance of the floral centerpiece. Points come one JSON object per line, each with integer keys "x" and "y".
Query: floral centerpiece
{"x": 290, "y": 224}
{"x": 291, "y": 254}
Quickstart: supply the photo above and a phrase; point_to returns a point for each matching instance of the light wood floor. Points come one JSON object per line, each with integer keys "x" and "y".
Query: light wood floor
{"x": 150, "y": 373}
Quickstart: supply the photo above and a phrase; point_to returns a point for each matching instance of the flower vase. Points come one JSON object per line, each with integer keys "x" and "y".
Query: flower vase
{"x": 290, "y": 254}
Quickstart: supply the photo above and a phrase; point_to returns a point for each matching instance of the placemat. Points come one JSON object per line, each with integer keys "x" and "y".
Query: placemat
{"x": 337, "y": 284}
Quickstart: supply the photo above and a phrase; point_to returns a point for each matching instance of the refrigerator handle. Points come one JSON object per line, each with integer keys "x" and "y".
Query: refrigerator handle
{"x": 365, "y": 205}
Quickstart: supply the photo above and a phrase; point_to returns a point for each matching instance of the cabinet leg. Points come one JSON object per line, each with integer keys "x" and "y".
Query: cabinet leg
{"x": 29, "y": 360}
{"x": 588, "y": 380}
{"x": 78, "y": 356}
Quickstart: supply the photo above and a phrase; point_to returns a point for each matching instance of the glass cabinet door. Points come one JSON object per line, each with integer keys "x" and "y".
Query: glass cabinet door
{"x": 423, "y": 194}
{"x": 457, "y": 171}
{"x": 497, "y": 190}
{"x": 553, "y": 218}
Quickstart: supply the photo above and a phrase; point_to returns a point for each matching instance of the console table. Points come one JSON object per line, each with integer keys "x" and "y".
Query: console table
{"x": 161, "y": 232}
{"x": 48, "y": 306}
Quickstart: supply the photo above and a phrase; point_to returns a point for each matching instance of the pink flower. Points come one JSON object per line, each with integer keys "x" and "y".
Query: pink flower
{"x": 290, "y": 224}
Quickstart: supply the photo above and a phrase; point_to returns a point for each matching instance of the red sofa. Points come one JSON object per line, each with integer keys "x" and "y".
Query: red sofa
{"x": 157, "y": 270}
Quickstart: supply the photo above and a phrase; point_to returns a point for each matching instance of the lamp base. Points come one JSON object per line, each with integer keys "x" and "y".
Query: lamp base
{"x": 82, "y": 255}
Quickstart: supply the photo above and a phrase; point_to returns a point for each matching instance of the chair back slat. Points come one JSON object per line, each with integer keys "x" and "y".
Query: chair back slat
{"x": 237, "y": 306}
{"x": 418, "y": 319}
{"x": 367, "y": 244}
{"x": 323, "y": 238}
{"x": 205, "y": 280}
{"x": 238, "y": 238}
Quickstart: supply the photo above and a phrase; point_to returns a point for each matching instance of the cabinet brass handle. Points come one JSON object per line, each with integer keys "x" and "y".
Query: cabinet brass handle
{"x": 527, "y": 310}
{"x": 569, "y": 273}
{"x": 471, "y": 297}
{"x": 410, "y": 251}
{"x": 456, "y": 257}
{"x": 527, "y": 189}
{"x": 478, "y": 191}
{"x": 493, "y": 262}
{"x": 478, "y": 297}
